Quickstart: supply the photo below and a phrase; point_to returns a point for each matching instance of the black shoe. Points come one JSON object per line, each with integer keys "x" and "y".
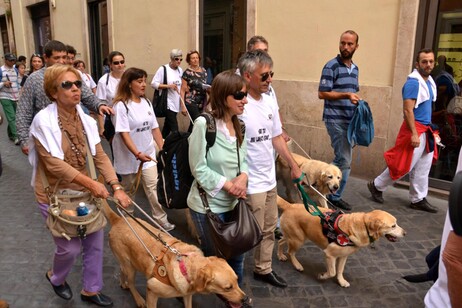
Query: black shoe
{"x": 98, "y": 299}
{"x": 417, "y": 278}
{"x": 63, "y": 291}
{"x": 375, "y": 193}
{"x": 271, "y": 278}
{"x": 341, "y": 204}
{"x": 423, "y": 205}
{"x": 277, "y": 233}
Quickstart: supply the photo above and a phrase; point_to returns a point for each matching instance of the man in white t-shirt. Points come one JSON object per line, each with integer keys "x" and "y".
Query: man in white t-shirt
{"x": 173, "y": 85}
{"x": 263, "y": 136}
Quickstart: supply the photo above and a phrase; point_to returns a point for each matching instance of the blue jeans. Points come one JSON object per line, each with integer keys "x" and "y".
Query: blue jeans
{"x": 342, "y": 151}
{"x": 207, "y": 246}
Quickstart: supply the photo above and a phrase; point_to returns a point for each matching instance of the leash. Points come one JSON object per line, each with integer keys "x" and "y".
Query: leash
{"x": 134, "y": 187}
{"x": 307, "y": 202}
{"x": 296, "y": 143}
{"x": 189, "y": 116}
{"x": 158, "y": 237}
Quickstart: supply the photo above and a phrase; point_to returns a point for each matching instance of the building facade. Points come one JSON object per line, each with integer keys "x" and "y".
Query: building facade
{"x": 303, "y": 36}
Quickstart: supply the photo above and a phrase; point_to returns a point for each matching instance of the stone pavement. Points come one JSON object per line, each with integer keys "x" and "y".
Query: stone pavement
{"x": 26, "y": 250}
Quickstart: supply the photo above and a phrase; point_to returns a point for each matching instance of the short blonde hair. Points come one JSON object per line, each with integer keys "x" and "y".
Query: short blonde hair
{"x": 52, "y": 74}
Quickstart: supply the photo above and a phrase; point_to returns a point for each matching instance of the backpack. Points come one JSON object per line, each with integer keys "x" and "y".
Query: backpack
{"x": 174, "y": 175}
{"x": 361, "y": 128}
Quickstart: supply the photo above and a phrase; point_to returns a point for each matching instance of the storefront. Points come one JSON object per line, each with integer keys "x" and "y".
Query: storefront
{"x": 442, "y": 29}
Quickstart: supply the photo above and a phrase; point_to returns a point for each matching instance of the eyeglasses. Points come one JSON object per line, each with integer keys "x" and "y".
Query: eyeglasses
{"x": 239, "y": 95}
{"x": 178, "y": 59}
{"x": 118, "y": 62}
{"x": 36, "y": 55}
{"x": 266, "y": 75}
{"x": 67, "y": 85}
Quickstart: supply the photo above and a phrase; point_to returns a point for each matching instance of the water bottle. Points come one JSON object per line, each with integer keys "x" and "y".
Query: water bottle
{"x": 82, "y": 209}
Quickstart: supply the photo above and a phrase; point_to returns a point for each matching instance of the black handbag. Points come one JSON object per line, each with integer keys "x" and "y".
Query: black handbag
{"x": 159, "y": 101}
{"x": 236, "y": 236}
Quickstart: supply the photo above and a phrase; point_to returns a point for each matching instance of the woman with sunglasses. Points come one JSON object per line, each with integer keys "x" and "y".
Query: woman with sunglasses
{"x": 137, "y": 132}
{"x": 193, "y": 87}
{"x": 174, "y": 73}
{"x": 57, "y": 151}
{"x": 217, "y": 172}
{"x": 107, "y": 88}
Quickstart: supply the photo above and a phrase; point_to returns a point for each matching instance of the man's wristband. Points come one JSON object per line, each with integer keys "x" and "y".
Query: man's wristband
{"x": 120, "y": 187}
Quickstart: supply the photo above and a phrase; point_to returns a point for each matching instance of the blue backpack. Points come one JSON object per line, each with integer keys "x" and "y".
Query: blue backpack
{"x": 361, "y": 128}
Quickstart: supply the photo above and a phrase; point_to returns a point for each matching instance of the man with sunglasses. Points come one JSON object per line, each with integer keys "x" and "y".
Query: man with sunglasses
{"x": 263, "y": 136}
{"x": 33, "y": 97}
{"x": 338, "y": 87}
{"x": 173, "y": 86}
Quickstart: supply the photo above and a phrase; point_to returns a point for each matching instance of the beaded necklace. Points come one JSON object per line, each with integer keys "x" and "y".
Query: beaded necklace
{"x": 74, "y": 140}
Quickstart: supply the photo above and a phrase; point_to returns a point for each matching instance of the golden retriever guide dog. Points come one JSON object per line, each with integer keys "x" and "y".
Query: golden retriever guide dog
{"x": 361, "y": 228}
{"x": 324, "y": 177}
{"x": 183, "y": 275}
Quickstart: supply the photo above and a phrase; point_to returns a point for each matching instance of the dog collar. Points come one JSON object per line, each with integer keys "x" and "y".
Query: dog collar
{"x": 183, "y": 269}
{"x": 371, "y": 239}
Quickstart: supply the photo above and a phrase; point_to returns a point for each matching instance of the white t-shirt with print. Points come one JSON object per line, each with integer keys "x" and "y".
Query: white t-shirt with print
{"x": 107, "y": 92}
{"x": 262, "y": 123}
{"x": 173, "y": 77}
{"x": 88, "y": 80}
{"x": 139, "y": 121}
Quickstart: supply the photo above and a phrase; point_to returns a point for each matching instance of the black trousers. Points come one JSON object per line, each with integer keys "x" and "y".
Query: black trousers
{"x": 170, "y": 123}
{"x": 194, "y": 112}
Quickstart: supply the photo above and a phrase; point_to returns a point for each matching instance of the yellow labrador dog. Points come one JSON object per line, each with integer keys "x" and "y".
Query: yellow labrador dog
{"x": 173, "y": 275}
{"x": 357, "y": 230}
{"x": 324, "y": 177}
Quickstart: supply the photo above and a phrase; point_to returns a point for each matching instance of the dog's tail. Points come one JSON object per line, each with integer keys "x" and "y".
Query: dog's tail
{"x": 282, "y": 204}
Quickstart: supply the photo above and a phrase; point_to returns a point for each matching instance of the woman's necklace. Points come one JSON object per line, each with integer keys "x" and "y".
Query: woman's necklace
{"x": 74, "y": 140}
{"x": 196, "y": 69}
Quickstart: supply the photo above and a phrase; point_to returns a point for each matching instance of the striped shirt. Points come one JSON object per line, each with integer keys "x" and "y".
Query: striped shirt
{"x": 9, "y": 74}
{"x": 337, "y": 77}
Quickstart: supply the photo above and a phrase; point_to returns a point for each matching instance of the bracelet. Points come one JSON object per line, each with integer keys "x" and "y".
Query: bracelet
{"x": 118, "y": 188}
{"x": 137, "y": 155}
{"x": 113, "y": 182}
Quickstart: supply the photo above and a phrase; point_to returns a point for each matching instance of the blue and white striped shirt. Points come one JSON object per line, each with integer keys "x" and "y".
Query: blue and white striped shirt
{"x": 338, "y": 77}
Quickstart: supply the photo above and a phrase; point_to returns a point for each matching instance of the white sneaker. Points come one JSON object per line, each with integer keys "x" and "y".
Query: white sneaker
{"x": 168, "y": 226}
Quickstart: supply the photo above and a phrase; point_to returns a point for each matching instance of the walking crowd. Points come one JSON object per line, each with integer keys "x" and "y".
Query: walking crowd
{"x": 59, "y": 115}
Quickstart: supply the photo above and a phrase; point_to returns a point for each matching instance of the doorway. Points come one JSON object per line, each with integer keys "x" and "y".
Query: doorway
{"x": 223, "y": 33}
{"x": 99, "y": 36}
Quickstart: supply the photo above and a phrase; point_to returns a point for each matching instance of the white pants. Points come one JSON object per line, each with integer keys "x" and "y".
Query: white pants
{"x": 149, "y": 182}
{"x": 418, "y": 176}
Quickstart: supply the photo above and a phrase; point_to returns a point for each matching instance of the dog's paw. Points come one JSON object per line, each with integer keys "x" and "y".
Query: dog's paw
{"x": 282, "y": 257}
{"x": 299, "y": 268}
{"x": 324, "y": 276}
{"x": 343, "y": 283}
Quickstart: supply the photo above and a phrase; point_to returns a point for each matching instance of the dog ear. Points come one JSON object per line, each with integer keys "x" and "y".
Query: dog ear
{"x": 203, "y": 278}
{"x": 375, "y": 228}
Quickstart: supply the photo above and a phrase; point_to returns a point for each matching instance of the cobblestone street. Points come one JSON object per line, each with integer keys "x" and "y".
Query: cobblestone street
{"x": 375, "y": 275}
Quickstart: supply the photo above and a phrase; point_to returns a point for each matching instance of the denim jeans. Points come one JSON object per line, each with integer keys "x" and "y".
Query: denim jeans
{"x": 343, "y": 151}
{"x": 207, "y": 246}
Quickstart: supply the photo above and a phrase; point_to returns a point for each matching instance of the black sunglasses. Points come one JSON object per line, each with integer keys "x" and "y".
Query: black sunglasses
{"x": 266, "y": 75}
{"x": 178, "y": 59}
{"x": 67, "y": 85}
{"x": 239, "y": 95}
{"x": 118, "y": 62}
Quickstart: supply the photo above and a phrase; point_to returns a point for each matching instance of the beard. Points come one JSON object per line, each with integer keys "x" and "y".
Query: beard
{"x": 346, "y": 54}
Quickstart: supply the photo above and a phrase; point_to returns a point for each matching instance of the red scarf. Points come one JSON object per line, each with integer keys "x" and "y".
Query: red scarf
{"x": 399, "y": 157}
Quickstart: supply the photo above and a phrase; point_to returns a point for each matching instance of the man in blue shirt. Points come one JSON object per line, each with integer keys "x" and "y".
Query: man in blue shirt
{"x": 338, "y": 87}
{"x": 415, "y": 146}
